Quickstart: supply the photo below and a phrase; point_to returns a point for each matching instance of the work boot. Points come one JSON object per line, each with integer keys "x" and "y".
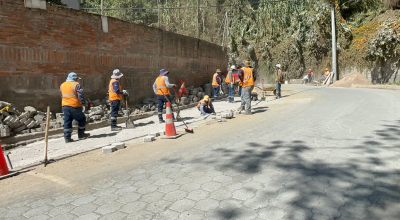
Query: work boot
{"x": 69, "y": 141}
{"x": 83, "y": 136}
{"x": 247, "y": 113}
{"x": 116, "y": 128}
{"x": 241, "y": 108}
{"x": 161, "y": 120}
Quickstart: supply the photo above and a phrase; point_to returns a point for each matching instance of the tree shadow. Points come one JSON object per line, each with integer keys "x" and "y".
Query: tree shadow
{"x": 342, "y": 181}
{"x": 141, "y": 124}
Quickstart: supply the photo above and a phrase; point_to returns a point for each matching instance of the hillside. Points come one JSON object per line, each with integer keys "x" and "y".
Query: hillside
{"x": 296, "y": 34}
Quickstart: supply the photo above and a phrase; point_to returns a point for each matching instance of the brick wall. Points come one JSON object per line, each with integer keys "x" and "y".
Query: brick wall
{"x": 38, "y": 48}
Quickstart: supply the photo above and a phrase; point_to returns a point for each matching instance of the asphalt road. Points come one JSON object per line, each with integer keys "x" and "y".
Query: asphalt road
{"x": 320, "y": 153}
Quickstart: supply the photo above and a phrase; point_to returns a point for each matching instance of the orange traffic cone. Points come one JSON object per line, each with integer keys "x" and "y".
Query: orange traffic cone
{"x": 170, "y": 131}
{"x": 3, "y": 164}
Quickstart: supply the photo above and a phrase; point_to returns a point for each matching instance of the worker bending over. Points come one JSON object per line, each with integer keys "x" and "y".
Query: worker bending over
{"x": 72, "y": 100}
{"x": 254, "y": 94}
{"x": 205, "y": 106}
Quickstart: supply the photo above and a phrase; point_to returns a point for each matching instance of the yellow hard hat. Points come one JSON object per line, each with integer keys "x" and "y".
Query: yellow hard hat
{"x": 206, "y": 98}
{"x": 309, "y": 69}
{"x": 326, "y": 69}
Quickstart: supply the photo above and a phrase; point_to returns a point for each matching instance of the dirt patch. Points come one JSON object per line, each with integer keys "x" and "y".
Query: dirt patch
{"x": 351, "y": 80}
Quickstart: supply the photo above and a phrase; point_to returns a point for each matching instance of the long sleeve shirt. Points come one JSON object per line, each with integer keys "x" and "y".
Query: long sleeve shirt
{"x": 167, "y": 84}
{"x": 202, "y": 108}
{"x": 116, "y": 87}
{"x": 79, "y": 92}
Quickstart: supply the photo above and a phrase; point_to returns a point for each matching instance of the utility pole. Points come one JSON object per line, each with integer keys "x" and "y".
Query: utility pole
{"x": 159, "y": 13}
{"x": 334, "y": 50}
{"x": 102, "y": 7}
{"x": 198, "y": 20}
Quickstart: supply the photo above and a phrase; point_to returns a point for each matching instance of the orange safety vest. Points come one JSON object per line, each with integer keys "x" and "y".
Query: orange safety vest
{"x": 214, "y": 82}
{"x": 204, "y": 102}
{"x": 227, "y": 80}
{"x": 248, "y": 76}
{"x": 161, "y": 87}
{"x": 112, "y": 95}
{"x": 326, "y": 74}
{"x": 69, "y": 94}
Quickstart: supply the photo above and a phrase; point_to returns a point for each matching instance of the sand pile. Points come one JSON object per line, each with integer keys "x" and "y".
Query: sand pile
{"x": 352, "y": 79}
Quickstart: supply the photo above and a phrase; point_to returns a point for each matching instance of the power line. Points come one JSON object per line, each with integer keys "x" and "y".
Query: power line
{"x": 195, "y": 7}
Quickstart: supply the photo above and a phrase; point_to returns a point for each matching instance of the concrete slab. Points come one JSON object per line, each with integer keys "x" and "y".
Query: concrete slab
{"x": 108, "y": 149}
{"x": 148, "y": 139}
{"x": 119, "y": 145}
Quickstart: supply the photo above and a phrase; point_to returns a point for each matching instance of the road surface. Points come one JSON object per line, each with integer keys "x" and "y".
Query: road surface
{"x": 320, "y": 153}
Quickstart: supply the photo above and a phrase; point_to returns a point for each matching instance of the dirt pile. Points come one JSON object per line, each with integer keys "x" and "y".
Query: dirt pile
{"x": 351, "y": 80}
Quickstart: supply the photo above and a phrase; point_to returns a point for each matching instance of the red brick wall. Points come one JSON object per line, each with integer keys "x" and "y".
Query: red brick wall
{"x": 38, "y": 48}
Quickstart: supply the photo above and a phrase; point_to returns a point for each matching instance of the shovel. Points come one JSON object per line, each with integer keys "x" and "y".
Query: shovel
{"x": 187, "y": 129}
{"x": 129, "y": 122}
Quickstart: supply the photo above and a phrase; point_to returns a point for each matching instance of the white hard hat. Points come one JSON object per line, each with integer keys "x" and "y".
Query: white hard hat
{"x": 233, "y": 67}
{"x": 278, "y": 65}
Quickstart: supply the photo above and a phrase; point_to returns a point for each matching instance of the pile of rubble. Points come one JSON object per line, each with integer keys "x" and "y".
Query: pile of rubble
{"x": 13, "y": 122}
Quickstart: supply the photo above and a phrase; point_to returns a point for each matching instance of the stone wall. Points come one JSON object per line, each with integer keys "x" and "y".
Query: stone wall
{"x": 39, "y": 47}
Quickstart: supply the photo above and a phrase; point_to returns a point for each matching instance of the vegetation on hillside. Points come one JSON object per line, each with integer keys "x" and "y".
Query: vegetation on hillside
{"x": 296, "y": 34}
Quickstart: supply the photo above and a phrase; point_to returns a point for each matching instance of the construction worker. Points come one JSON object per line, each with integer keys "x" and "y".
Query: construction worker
{"x": 161, "y": 88}
{"x": 278, "y": 80}
{"x": 216, "y": 83}
{"x": 254, "y": 94}
{"x": 326, "y": 74}
{"x": 230, "y": 80}
{"x": 247, "y": 76}
{"x": 205, "y": 106}
{"x": 72, "y": 101}
{"x": 310, "y": 73}
{"x": 115, "y": 94}
{"x": 239, "y": 84}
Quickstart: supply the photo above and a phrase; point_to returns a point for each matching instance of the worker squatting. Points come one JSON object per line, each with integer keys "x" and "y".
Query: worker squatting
{"x": 73, "y": 100}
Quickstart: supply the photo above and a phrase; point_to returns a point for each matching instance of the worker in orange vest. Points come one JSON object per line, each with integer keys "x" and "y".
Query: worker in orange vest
{"x": 72, "y": 101}
{"x": 278, "y": 80}
{"x": 247, "y": 76}
{"x": 326, "y": 74}
{"x": 161, "y": 88}
{"x": 216, "y": 83}
{"x": 115, "y": 94}
{"x": 230, "y": 80}
{"x": 205, "y": 106}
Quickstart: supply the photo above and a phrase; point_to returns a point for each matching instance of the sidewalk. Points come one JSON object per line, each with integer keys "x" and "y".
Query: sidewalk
{"x": 33, "y": 153}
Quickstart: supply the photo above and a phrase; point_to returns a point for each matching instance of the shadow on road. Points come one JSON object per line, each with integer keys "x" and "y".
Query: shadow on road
{"x": 316, "y": 182}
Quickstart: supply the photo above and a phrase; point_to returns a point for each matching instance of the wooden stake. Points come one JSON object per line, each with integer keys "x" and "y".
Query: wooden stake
{"x": 46, "y": 137}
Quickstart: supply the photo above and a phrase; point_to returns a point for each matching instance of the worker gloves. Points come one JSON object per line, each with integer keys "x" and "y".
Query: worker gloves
{"x": 125, "y": 92}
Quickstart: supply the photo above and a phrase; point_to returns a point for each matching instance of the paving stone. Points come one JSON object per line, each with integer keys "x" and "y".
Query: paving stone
{"x": 133, "y": 207}
{"x": 15, "y": 211}
{"x": 211, "y": 186}
{"x": 89, "y": 216}
{"x": 161, "y": 132}
{"x": 118, "y": 145}
{"x": 148, "y": 139}
{"x": 114, "y": 216}
{"x": 207, "y": 204}
{"x": 140, "y": 215}
{"x": 168, "y": 188}
{"x": 128, "y": 198}
{"x": 37, "y": 211}
{"x": 84, "y": 209}
{"x": 192, "y": 214}
{"x": 108, "y": 149}
{"x": 154, "y": 134}
{"x": 84, "y": 200}
{"x": 163, "y": 181}
{"x": 243, "y": 194}
{"x": 109, "y": 208}
{"x": 190, "y": 187}
{"x": 152, "y": 197}
{"x": 158, "y": 206}
{"x": 221, "y": 194}
{"x": 65, "y": 216}
{"x": 61, "y": 209}
{"x": 198, "y": 195}
{"x": 126, "y": 189}
{"x": 175, "y": 195}
{"x": 147, "y": 189}
{"x": 182, "y": 205}
{"x": 168, "y": 214}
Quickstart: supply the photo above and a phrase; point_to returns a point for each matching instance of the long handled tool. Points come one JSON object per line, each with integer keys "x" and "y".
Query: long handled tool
{"x": 187, "y": 129}
{"x": 46, "y": 137}
{"x": 129, "y": 122}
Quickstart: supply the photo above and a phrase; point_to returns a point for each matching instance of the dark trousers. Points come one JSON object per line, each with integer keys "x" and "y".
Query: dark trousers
{"x": 114, "y": 112}
{"x": 208, "y": 109}
{"x": 70, "y": 114}
{"x": 231, "y": 90}
{"x": 216, "y": 92}
{"x": 161, "y": 101}
{"x": 309, "y": 78}
{"x": 240, "y": 91}
{"x": 278, "y": 89}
